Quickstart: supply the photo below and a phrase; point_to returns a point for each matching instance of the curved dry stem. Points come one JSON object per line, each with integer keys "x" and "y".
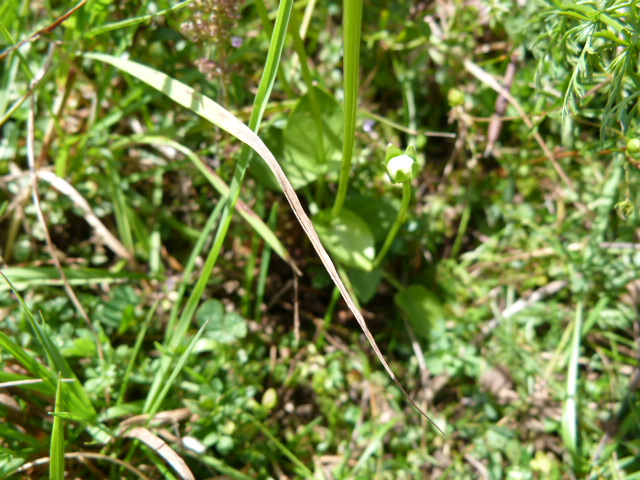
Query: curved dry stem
{"x": 81, "y": 456}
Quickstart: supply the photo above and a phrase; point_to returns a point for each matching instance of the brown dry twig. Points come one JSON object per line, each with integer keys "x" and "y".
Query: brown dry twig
{"x": 44, "y": 30}
{"x": 495, "y": 126}
{"x": 31, "y": 158}
{"x": 81, "y": 456}
{"x": 486, "y": 78}
{"x": 548, "y": 251}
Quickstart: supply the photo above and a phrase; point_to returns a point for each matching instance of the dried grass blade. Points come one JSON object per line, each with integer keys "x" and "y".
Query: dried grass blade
{"x": 161, "y": 448}
{"x": 210, "y": 110}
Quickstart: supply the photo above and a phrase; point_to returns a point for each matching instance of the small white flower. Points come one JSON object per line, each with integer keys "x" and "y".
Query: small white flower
{"x": 402, "y": 164}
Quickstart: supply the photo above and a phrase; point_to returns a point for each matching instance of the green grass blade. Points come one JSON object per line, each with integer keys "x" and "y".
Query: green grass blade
{"x": 56, "y": 455}
{"x": 78, "y": 402}
{"x": 306, "y": 18}
{"x": 157, "y": 402}
{"x": 268, "y": 29}
{"x": 120, "y": 204}
{"x": 264, "y": 266}
{"x": 36, "y": 368}
{"x": 223, "y": 468}
{"x": 165, "y": 362}
{"x": 249, "y": 271}
{"x": 301, "y": 467}
{"x": 374, "y": 445}
{"x": 129, "y": 22}
{"x": 570, "y": 413}
{"x": 190, "y": 266}
{"x": 316, "y": 108}
{"x": 213, "y": 112}
{"x": 263, "y": 13}
{"x": 155, "y": 240}
{"x": 28, "y": 277}
{"x": 223, "y": 189}
{"x": 135, "y": 351}
{"x": 271, "y": 66}
{"x": 352, "y": 26}
{"x": 259, "y": 105}
{"x": 24, "y": 64}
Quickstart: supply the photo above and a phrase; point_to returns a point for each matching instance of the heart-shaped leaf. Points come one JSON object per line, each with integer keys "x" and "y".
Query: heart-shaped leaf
{"x": 347, "y": 237}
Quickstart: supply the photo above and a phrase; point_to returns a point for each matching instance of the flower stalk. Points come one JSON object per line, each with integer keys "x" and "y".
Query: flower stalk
{"x": 400, "y": 218}
{"x": 401, "y": 167}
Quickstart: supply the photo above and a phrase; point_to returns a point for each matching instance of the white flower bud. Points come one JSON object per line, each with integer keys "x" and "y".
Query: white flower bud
{"x": 401, "y": 168}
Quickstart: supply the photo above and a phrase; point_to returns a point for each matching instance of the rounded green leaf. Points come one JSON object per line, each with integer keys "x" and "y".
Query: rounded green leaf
{"x": 308, "y": 154}
{"x": 365, "y": 284}
{"x": 223, "y": 327}
{"x": 422, "y": 308}
{"x": 378, "y": 213}
{"x": 347, "y": 237}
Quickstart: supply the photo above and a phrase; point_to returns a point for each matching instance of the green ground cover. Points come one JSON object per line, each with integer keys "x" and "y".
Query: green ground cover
{"x": 172, "y": 173}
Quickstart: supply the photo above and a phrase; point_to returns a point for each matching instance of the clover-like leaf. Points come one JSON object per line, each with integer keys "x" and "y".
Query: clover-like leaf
{"x": 223, "y": 327}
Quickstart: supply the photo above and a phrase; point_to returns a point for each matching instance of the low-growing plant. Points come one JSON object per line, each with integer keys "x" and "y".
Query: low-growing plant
{"x": 468, "y": 166}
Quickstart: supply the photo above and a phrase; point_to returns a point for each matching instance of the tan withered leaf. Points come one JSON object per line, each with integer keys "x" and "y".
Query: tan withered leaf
{"x": 161, "y": 448}
{"x": 211, "y": 111}
{"x": 161, "y": 418}
{"x": 91, "y": 218}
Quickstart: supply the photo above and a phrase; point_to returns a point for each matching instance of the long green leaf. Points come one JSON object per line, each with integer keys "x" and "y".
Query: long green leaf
{"x": 171, "y": 338}
{"x": 26, "y": 277}
{"x": 374, "y": 444}
{"x": 191, "y": 265}
{"x": 569, "y": 414}
{"x": 36, "y": 368}
{"x": 351, "y": 31}
{"x": 316, "y": 107}
{"x": 222, "y": 467}
{"x": 135, "y": 351}
{"x": 56, "y": 455}
{"x": 301, "y": 467}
